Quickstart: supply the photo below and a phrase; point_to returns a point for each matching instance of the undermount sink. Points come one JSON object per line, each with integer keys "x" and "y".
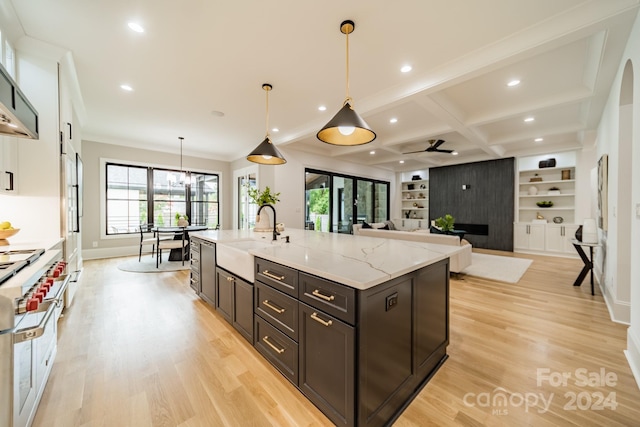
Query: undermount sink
{"x": 235, "y": 257}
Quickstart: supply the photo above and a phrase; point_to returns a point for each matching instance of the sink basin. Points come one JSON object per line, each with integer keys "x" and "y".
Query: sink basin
{"x": 235, "y": 257}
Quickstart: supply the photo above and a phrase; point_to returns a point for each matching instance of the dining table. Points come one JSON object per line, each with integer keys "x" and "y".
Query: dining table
{"x": 176, "y": 254}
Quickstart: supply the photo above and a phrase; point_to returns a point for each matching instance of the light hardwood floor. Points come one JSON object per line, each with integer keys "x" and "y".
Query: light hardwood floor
{"x": 140, "y": 349}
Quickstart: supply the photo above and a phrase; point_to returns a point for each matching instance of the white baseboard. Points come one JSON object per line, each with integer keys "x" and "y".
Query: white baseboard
{"x": 633, "y": 354}
{"x": 619, "y": 311}
{"x": 112, "y": 252}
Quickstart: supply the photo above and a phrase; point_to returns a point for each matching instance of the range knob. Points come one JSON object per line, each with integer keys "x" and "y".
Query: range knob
{"x": 32, "y": 304}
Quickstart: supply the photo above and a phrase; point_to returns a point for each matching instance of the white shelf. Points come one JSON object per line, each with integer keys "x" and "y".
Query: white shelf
{"x": 415, "y": 209}
{"x": 548, "y": 182}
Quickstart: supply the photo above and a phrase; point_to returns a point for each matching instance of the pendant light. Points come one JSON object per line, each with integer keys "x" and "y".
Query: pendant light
{"x": 170, "y": 176}
{"x": 346, "y": 127}
{"x": 266, "y": 153}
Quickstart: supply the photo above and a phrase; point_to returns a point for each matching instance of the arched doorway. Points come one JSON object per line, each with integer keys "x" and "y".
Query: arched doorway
{"x": 625, "y": 210}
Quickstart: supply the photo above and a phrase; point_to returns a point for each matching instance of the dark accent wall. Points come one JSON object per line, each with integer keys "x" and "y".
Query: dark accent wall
{"x": 488, "y": 200}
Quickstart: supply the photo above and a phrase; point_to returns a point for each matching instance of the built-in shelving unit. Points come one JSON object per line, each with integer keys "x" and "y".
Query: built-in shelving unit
{"x": 547, "y": 184}
{"x": 415, "y": 199}
{"x": 546, "y": 229}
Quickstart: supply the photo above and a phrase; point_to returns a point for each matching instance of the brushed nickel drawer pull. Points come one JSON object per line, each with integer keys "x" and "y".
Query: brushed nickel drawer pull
{"x": 276, "y": 349}
{"x": 273, "y": 307}
{"x": 273, "y": 276}
{"x": 324, "y": 297}
{"x": 315, "y": 317}
{"x": 229, "y": 279}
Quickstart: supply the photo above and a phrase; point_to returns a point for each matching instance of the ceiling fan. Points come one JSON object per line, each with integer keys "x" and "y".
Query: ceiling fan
{"x": 433, "y": 147}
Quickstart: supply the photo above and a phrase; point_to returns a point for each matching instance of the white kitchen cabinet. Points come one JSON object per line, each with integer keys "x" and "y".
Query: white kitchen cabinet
{"x": 529, "y": 236}
{"x": 8, "y": 165}
{"x": 558, "y": 238}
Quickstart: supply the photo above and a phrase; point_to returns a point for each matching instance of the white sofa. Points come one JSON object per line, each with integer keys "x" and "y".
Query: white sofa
{"x": 457, "y": 262}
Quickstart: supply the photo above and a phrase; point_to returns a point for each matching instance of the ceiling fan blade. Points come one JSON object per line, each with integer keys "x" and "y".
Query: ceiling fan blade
{"x": 443, "y": 151}
{"x": 438, "y": 143}
{"x": 419, "y": 151}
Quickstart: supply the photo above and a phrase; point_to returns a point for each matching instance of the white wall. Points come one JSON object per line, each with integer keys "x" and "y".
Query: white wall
{"x": 623, "y": 297}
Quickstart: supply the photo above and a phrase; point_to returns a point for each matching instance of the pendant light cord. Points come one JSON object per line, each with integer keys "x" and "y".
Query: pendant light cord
{"x": 348, "y": 98}
{"x": 180, "y": 138}
{"x": 267, "y": 121}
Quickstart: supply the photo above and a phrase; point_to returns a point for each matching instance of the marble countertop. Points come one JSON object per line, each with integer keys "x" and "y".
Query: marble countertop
{"x": 360, "y": 262}
{"x": 16, "y": 243}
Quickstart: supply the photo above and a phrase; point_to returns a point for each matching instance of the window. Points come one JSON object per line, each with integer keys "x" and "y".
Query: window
{"x": 9, "y": 59}
{"x": 139, "y": 194}
{"x": 334, "y": 202}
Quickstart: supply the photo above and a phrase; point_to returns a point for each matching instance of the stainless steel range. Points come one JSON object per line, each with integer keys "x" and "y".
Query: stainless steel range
{"x": 32, "y": 285}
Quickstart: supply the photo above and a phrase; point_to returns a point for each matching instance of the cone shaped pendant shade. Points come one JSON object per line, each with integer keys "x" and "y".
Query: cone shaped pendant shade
{"x": 266, "y": 153}
{"x": 346, "y": 127}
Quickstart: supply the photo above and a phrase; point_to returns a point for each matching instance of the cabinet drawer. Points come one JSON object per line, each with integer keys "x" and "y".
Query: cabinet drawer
{"x": 330, "y": 297}
{"x": 279, "y": 309}
{"x": 195, "y": 260}
{"x": 282, "y": 278}
{"x": 277, "y": 348}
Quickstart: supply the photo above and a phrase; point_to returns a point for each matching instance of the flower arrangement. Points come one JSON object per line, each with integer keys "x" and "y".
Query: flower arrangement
{"x": 263, "y": 197}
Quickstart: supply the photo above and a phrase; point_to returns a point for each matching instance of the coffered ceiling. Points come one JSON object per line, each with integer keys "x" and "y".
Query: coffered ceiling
{"x": 198, "y": 68}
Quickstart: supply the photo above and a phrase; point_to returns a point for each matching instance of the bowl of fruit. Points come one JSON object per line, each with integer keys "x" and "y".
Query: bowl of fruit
{"x": 545, "y": 204}
{"x": 6, "y": 231}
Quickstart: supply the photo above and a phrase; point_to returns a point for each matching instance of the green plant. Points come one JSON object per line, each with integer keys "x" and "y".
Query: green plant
{"x": 445, "y": 223}
{"x": 262, "y": 197}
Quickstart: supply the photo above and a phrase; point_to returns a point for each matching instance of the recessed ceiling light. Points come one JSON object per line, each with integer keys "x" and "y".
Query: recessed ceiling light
{"x": 275, "y": 130}
{"x": 372, "y": 152}
{"x": 393, "y": 120}
{"x": 513, "y": 83}
{"x": 454, "y": 153}
{"x": 539, "y": 139}
{"x": 322, "y": 108}
{"x": 406, "y": 68}
{"x": 136, "y": 27}
{"x": 217, "y": 113}
{"x": 126, "y": 87}
{"x": 401, "y": 161}
{"x": 529, "y": 119}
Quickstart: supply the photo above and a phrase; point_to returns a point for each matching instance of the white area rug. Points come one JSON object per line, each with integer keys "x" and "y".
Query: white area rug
{"x": 495, "y": 267}
{"x": 148, "y": 265}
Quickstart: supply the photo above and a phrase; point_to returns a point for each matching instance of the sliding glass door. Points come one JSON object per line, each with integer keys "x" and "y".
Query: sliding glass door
{"x": 334, "y": 202}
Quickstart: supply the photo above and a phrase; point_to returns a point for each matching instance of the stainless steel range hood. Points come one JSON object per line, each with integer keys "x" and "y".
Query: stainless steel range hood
{"x": 17, "y": 115}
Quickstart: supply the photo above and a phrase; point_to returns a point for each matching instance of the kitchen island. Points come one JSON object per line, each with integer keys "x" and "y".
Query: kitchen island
{"x": 358, "y": 324}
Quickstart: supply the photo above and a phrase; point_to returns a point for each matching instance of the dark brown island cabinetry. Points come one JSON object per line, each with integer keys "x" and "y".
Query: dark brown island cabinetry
{"x": 359, "y": 355}
{"x": 208, "y": 272}
{"x": 194, "y": 259}
{"x": 234, "y": 300}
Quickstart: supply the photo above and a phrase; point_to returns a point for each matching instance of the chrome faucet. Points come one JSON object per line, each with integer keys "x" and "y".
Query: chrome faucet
{"x": 275, "y": 231}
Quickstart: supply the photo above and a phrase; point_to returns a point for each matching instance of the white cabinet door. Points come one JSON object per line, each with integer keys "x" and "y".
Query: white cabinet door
{"x": 8, "y": 165}
{"x": 570, "y": 233}
{"x": 559, "y": 238}
{"x": 529, "y": 236}
{"x": 536, "y": 236}
{"x": 520, "y": 236}
{"x": 555, "y": 238}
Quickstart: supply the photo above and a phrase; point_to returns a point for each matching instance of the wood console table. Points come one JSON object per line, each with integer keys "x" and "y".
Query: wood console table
{"x": 588, "y": 261}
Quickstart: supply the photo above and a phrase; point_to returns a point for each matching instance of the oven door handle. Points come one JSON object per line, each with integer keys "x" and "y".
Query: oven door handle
{"x": 28, "y": 334}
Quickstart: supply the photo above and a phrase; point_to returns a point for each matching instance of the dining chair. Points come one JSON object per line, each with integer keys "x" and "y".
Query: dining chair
{"x": 146, "y": 228}
{"x": 178, "y": 240}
